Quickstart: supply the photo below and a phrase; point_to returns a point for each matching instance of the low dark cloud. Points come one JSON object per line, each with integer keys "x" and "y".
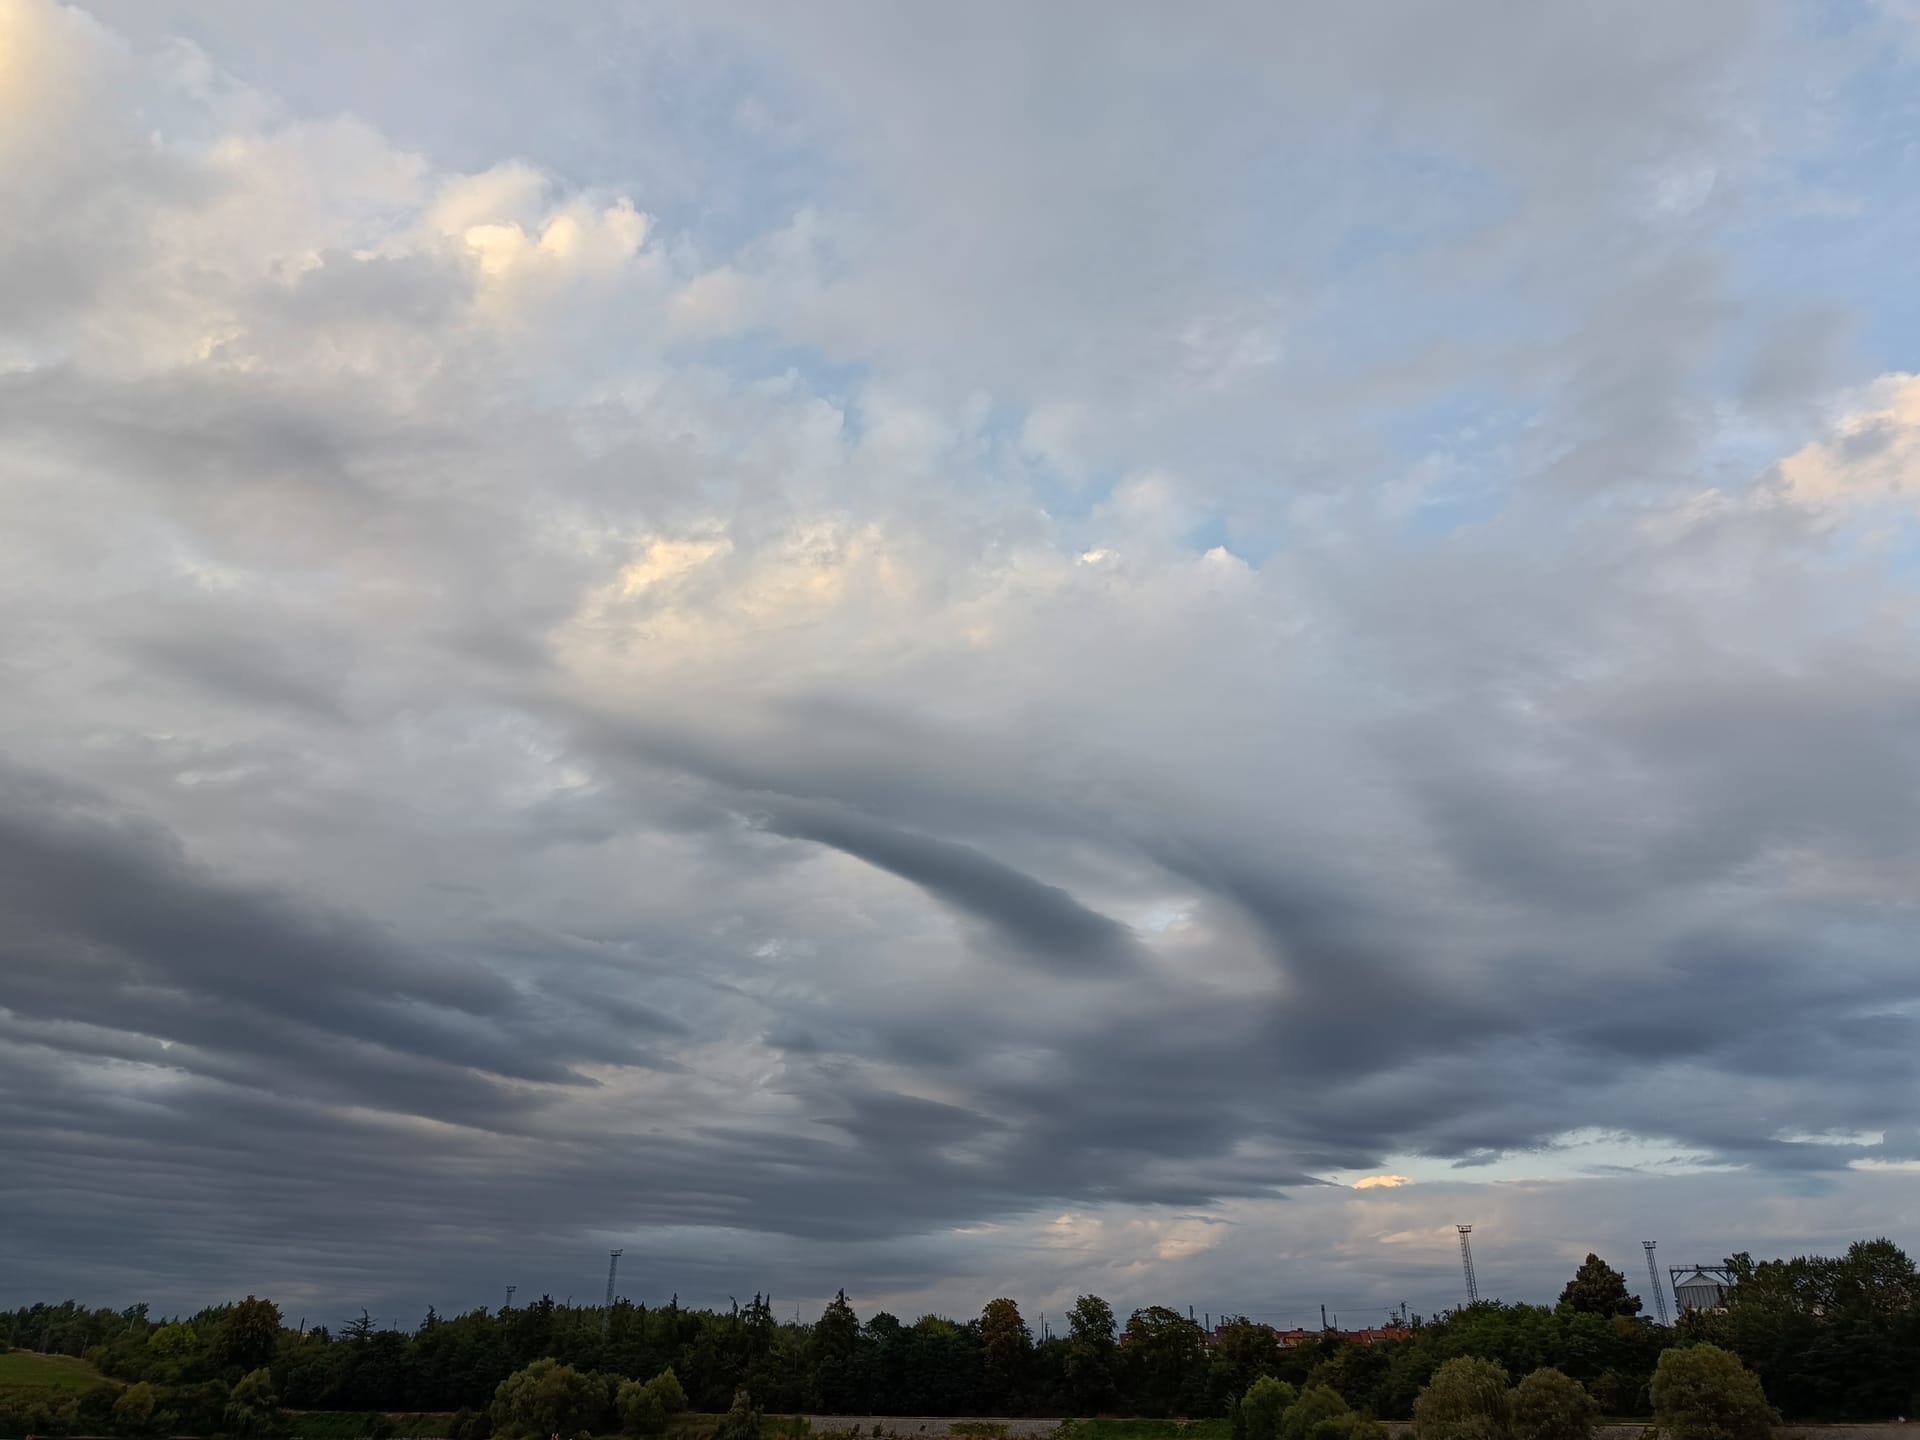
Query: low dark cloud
{"x": 1041, "y": 922}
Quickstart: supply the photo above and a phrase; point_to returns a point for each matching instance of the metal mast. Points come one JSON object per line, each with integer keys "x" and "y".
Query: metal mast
{"x": 510, "y": 1290}
{"x": 1466, "y": 1264}
{"x": 1653, "y": 1274}
{"x": 606, "y": 1314}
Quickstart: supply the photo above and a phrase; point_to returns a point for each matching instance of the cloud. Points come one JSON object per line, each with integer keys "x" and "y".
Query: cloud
{"x": 1872, "y": 456}
{"x": 902, "y": 658}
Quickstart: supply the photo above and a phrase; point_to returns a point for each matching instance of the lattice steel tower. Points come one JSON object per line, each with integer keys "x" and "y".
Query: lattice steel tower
{"x": 1466, "y": 1264}
{"x": 1653, "y": 1274}
{"x": 606, "y": 1314}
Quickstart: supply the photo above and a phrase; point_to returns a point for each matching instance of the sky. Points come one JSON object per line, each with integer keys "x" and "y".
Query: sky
{"x": 954, "y": 650}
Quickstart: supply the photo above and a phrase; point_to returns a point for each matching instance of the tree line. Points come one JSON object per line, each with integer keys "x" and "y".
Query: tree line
{"x": 1828, "y": 1337}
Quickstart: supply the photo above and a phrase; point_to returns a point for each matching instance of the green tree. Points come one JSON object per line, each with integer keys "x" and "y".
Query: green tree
{"x": 252, "y": 1407}
{"x": 1597, "y": 1289}
{"x": 1166, "y": 1362}
{"x": 641, "y": 1412}
{"x": 133, "y": 1410}
{"x": 1319, "y": 1414}
{"x": 834, "y": 1354}
{"x": 1550, "y": 1406}
{"x": 665, "y": 1387}
{"x": 742, "y": 1420}
{"x": 1262, "y": 1408}
{"x": 546, "y": 1398}
{"x": 1090, "y": 1355}
{"x": 1704, "y": 1393}
{"x": 247, "y": 1335}
{"x": 1242, "y": 1352}
{"x": 173, "y": 1342}
{"x": 1006, "y": 1351}
{"x": 1467, "y": 1399}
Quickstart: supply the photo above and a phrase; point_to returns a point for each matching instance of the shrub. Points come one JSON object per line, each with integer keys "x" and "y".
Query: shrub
{"x": 133, "y": 1410}
{"x": 1704, "y": 1393}
{"x": 547, "y": 1398}
{"x": 252, "y": 1407}
{"x": 1467, "y": 1399}
{"x": 667, "y": 1390}
{"x": 1319, "y": 1414}
{"x": 1258, "y": 1415}
{"x": 742, "y": 1420}
{"x": 640, "y": 1410}
{"x": 1550, "y": 1406}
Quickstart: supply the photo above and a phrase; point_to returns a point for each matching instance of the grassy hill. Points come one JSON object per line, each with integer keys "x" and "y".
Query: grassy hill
{"x": 59, "y": 1374}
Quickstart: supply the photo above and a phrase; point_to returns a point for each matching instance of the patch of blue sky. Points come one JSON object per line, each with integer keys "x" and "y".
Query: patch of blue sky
{"x": 1896, "y": 541}
{"x": 761, "y": 355}
{"x": 1216, "y": 530}
{"x": 1843, "y": 214}
{"x": 1459, "y": 457}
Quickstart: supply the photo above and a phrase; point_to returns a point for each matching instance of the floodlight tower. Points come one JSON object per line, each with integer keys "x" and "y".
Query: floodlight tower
{"x": 510, "y": 1290}
{"x": 1466, "y": 1264}
{"x": 606, "y": 1315}
{"x": 1653, "y": 1274}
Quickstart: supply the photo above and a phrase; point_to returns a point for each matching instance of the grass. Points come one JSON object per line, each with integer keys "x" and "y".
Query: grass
{"x": 59, "y": 1374}
{"x": 1217, "y": 1429}
{"x": 692, "y": 1425}
{"x": 355, "y": 1424}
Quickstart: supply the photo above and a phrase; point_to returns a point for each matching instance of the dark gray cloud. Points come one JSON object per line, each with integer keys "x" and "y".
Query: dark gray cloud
{"x": 1042, "y": 922}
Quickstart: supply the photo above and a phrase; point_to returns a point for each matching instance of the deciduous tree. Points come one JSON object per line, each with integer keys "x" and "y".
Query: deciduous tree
{"x": 1467, "y": 1399}
{"x": 1548, "y": 1405}
{"x": 1598, "y": 1289}
{"x": 1704, "y": 1393}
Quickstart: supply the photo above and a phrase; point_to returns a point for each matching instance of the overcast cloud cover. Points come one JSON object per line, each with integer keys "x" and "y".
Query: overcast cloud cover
{"x": 958, "y": 650}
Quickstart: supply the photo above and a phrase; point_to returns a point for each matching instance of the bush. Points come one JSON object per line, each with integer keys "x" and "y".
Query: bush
{"x": 133, "y": 1411}
{"x": 1261, "y": 1409}
{"x": 1550, "y": 1406}
{"x": 1467, "y": 1399}
{"x": 1319, "y": 1414}
{"x": 548, "y": 1398}
{"x": 1704, "y": 1393}
{"x": 640, "y": 1410}
{"x": 252, "y": 1408}
{"x": 742, "y": 1420}
{"x": 667, "y": 1390}
{"x": 645, "y": 1409}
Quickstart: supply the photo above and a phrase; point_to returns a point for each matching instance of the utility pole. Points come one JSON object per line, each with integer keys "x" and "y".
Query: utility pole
{"x": 1653, "y": 1274}
{"x": 606, "y": 1314}
{"x": 1466, "y": 1263}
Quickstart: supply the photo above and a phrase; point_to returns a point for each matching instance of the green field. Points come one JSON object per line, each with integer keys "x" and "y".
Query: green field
{"x": 61, "y": 1374}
